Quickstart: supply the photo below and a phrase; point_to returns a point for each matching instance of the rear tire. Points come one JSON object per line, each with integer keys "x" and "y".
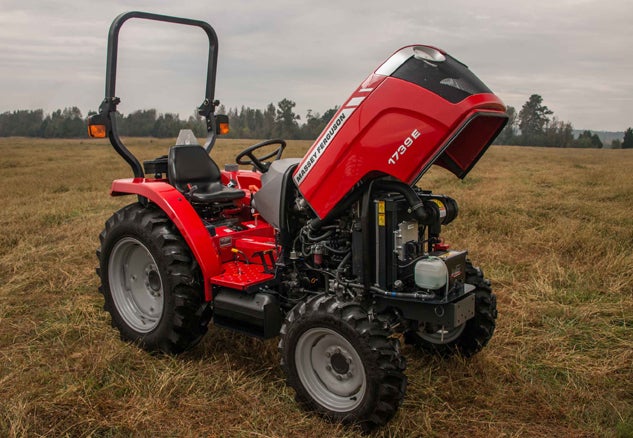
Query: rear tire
{"x": 472, "y": 336}
{"x": 342, "y": 364}
{"x": 150, "y": 281}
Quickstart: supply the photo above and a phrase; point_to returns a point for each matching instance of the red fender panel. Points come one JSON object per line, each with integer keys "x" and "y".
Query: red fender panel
{"x": 182, "y": 214}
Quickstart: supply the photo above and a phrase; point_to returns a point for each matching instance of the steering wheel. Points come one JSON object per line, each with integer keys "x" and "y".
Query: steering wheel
{"x": 259, "y": 162}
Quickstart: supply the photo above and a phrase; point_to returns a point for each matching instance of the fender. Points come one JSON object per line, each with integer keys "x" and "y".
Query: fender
{"x": 183, "y": 215}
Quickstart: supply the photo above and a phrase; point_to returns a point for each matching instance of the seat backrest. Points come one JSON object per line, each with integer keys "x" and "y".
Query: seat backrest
{"x": 190, "y": 164}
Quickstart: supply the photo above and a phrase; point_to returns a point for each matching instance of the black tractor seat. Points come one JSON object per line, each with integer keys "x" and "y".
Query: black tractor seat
{"x": 191, "y": 171}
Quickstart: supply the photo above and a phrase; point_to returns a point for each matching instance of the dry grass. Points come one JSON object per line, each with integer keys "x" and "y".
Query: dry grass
{"x": 552, "y": 228}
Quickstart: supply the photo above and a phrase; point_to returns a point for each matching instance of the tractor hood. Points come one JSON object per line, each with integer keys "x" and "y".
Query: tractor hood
{"x": 420, "y": 107}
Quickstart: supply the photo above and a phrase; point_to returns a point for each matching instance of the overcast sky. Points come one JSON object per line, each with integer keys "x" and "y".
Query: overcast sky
{"x": 577, "y": 54}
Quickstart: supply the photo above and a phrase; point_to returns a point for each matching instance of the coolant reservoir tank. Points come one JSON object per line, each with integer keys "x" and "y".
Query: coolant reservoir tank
{"x": 431, "y": 273}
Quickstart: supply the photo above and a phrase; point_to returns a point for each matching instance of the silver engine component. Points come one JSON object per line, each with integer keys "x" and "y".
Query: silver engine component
{"x": 267, "y": 200}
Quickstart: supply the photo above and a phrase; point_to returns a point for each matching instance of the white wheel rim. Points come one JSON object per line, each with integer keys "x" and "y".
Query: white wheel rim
{"x": 330, "y": 369}
{"x": 136, "y": 285}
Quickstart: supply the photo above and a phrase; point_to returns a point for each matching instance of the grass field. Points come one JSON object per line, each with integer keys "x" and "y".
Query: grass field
{"x": 552, "y": 228}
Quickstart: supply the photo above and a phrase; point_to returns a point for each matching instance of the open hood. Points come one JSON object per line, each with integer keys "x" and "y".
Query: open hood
{"x": 420, "y": 107}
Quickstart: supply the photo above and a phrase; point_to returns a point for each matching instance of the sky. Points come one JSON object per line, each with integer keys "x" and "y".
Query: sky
{"x": 577, "y": 54}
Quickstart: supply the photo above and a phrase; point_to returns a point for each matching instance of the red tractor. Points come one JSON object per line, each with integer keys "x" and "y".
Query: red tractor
{"x": 338, "y": 253}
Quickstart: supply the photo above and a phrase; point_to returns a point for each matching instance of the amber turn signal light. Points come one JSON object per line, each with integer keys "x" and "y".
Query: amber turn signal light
{"x": 221, "y": 124}
{"x": 223, "y": 128}
{"x": 97, "y": 131}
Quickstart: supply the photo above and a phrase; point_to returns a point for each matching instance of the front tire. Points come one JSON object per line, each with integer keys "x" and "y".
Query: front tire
{"x": 472, "y": 336}
{"x": 150, "y": 281}
{"x": 341, "y": 363}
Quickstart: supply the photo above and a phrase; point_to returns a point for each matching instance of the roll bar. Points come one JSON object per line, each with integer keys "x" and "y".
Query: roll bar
{"x": 105, "y": 118}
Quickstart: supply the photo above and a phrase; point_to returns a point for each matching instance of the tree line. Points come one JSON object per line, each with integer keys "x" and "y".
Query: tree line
{"x": 275, "y": 121}
{"x": 533, "y": 125}
{"x": 66, "y": 123}
{"x": 536, "y": 125}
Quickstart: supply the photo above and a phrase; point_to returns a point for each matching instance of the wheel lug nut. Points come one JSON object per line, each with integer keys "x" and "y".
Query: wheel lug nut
{"x": 338, "y": 351}
{"x": 328, "y": 354}
{"x": 338, "y": 377}
{"x": 349, "y": 374}
{"x": 329, "y": 368}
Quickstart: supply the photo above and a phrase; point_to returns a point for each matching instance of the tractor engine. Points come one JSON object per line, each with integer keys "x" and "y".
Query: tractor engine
{"x": 409, "y": 257}
{"x": 406, "y": 258}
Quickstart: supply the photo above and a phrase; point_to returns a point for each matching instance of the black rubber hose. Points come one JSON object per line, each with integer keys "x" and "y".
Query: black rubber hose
{"x": 417, "y": 205}
{"x": 406, "y": 295}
